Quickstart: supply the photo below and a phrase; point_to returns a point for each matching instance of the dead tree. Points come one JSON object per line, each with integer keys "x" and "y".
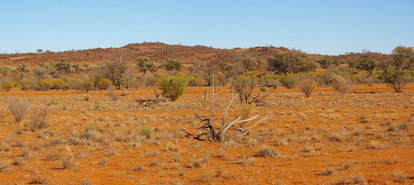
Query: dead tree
{"x": 212, "y": 132}
{"x": 217, "y": 134}
{"x": 148, "y": 102}
{"x": 244, "y": 87}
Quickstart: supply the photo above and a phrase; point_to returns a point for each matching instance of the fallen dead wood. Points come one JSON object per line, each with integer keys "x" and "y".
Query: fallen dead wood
{"x": 212, "y": 133}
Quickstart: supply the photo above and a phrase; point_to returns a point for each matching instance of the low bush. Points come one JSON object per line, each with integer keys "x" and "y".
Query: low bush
{"x": 149, "y": 80}
{"x": 87, "y": 85}
{"x": 289, "y": 80}
{"x": 146, "y": 132}
{"x": 363, "y": 77}
{"x": 173, "y": 65}
{"x": 340, "y": 84}
{"x": 270, "y": 80}
{"x": 53, "y": 83}
{"x": 6, "y": 85}
{"x": 267, "y": 152}
{"x": 39, "y": 119}
{"x": 18, "y": 108}
{"x": 104, "y": 84}
{"x": 68, "y": 162}
{"x": 45, "y": 84}
{"x": 324, "y": 78}
{"x": 26, "y": 84}
{"x": 244, "y": 86}
{"x": 307, "y": 86}
{"x": 172, "y": 87}
{"x": 196, "y": 80}
{"x": 75, "y": 83}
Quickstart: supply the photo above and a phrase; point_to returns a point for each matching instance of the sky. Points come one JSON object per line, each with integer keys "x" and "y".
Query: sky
{"x": 314, "y": 26}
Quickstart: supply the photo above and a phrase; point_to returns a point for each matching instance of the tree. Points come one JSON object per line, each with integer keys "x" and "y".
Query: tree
{"x": 250, "y": 63}
{"x": 403, "y": 57}
{"x": 222, "y": 71}
{"x": 364, "y": 63}
{"x": 396, "y": 72}
{"x": 144, "y": 65}
{"x": 115, "y": 71}
{"x": 291, "y": 62}
{"x": 327, "y": 62}
{"x": 244, "y": 86}
{"x": 173, "y": 65}
{"x": 62, "y": 67}
{"x": 396, "y": 77}
{"x": 404, "y": 51}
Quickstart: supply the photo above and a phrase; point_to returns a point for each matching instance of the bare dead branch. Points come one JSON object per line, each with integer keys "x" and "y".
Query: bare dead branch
{"x": 225, "y": 128}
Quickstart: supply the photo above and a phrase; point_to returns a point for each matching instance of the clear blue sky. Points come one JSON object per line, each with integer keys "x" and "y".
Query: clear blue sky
{"x": 315, "y": 26}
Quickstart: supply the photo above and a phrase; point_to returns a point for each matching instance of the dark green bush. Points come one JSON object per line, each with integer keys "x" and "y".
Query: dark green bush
{"x": 172, "y": 87}
{"x": 173, "y": 65}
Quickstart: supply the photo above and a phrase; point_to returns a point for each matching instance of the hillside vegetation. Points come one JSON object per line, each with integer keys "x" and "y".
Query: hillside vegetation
{"x": 142, "y": 65}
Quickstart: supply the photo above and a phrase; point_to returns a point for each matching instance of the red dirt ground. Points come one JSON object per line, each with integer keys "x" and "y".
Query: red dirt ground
{"x": 363, "y": 137}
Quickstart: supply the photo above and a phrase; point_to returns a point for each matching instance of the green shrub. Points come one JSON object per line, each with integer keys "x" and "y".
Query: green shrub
{"x": 104, "y": 84}
{"x": 53, "y": 83}
{"x": 173, "y": 65}
{"x": 46, "y": 84}
{"x": 60, "y": 84}
{"x": 340, "y": 84}
{"x": 172, "y": 87}
{"x": 6, "y": 85}
{"x": 146, "y": 132}
{"x": 87, "y": 85}
{"x": 289, "y": 80}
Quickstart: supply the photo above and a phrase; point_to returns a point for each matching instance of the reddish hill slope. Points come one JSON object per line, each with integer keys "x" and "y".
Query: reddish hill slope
{"x": 155, "y": 51}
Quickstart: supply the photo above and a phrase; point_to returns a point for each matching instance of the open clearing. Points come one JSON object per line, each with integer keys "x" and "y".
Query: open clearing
{"x": 366, "y": 136}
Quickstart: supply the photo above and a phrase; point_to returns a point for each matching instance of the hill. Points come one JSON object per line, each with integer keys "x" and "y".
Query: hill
{"x": 155, "y": 51}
